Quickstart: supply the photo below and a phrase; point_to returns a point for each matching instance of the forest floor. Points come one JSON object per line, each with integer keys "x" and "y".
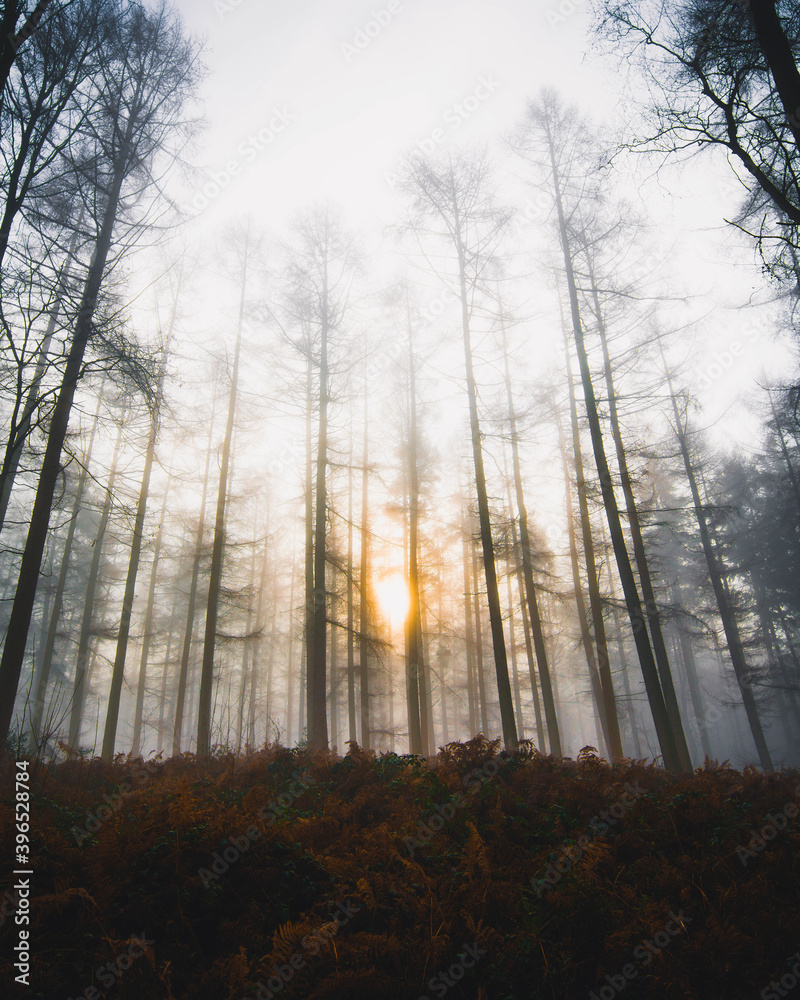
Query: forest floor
{"x": 476, "y": 874}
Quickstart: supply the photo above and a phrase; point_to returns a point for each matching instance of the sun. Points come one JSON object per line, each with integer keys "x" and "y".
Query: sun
{"x": 394, "y": 598}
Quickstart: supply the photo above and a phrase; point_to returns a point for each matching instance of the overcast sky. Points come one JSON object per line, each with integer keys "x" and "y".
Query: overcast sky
{"x": 353, "y": 109}
{"x": 315, "y": 100}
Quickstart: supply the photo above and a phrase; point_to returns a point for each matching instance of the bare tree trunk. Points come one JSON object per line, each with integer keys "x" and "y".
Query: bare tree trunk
{"x": 204, "y": 720}
{"x": 690, "y": 666}
{"x": 58, "y": 598}
{"x": 351, "y": 655}
{"x": 248, "y": 645}
{"x": 726, "y": 612}
{"x": 577, "y": 583}
{"x": 513, "y": 647}
{"x": 527, "y": 575}
{"x": 12, "y": 37}
{"x": 317, "y": 680}
{"x": 785, "y": 454}
{"x": 607, "y": 706}
{"x": 183, "y": 672}
{"x": 290, "y": 647}
{"x": 427, "y": 683}
{"x": 469, "y": 631}
{"x": 255, "y": 670}
{"x": 778, "y": 52}
{"x": 20, "y": 428}
{"x": 334, "y": 642}
{"x": 666, "y": 736}
{"x": 363, "y": 615}
{"x": 481, "y": 678}
{"x": 85, "y": 636}
{"x": 22, "y": 609}
{"x": 118, "y": 671}
{"x": 490, "y": 571}
{"x": 147, "y": 633}
{"x": 415, "y": 682}
{"x": 306, "y": 668}
{"x": 526, "y": 631}
{"x": 640, "y": 553}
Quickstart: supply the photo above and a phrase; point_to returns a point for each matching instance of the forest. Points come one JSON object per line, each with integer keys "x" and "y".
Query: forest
{"x": 416, "y": 450}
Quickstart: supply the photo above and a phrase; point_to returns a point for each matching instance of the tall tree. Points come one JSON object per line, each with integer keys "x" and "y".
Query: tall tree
{"x": 553, "y": 133}
{"x": 322, "y": 266}
{"x": 726, "y": 611}
{"x": 454, "y": 196}
{"x": 118, "y": 670}
{"x": 204, "y": 715}
{"x": 147, "y": 78}
{"x": 724, "y": 74}
{"x": 534, "y": 616}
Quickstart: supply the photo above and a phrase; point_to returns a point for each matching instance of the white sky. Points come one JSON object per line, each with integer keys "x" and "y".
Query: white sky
{"x": 352, "y": 118}
{"x": 353, "y": 115}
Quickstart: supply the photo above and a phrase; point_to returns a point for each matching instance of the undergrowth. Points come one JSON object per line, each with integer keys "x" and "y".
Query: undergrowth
{"x": 321, "y": 877}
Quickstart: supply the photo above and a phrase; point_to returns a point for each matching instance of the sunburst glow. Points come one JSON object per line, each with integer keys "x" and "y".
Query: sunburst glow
{"x": 394, "y": 598}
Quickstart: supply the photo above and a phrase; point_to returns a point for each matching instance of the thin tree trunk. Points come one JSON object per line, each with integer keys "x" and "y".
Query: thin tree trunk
{"x": 726, "y": 612}
{"x": 427, "y": 682}
{"x": 58, "y": 599}
{"x": 534, "y": 616}
{"x": 513, "y": 648}
{"x": 607, "y": 706}
{"x": 255, "y": 670}
{"x": 204, "y": 720}
{"x": 317, "y": 679}
{"x": 690, "y": 666}
{"x": 183, "y": 672}
{"x": 640, "y": 553}
{"x": 25, "y": 596}
{"x": 334, "y": 620}
{"x": 11, "y": 37}
{"x": 417, "y": 708}
{"x": 480, "y": 676}
{"x": 118, "y": 671}
{"x": 20, "y": 429}
{"x": 363, "y": 617}
{"x": 307, "y": 669}
{"x": 85, "y": 635}
{"x": 469, "y": 632}
{"x": 162, "y": 705}
{"x": 526, "y": 631}
{"x": 490, "y": 571}
{"x": 666, "y": 737}
{"x": 147, "y": 633}
{"x": 290, "y": 646}
{"x": 351, "y": 655}
{"x": 248, "y": 646}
